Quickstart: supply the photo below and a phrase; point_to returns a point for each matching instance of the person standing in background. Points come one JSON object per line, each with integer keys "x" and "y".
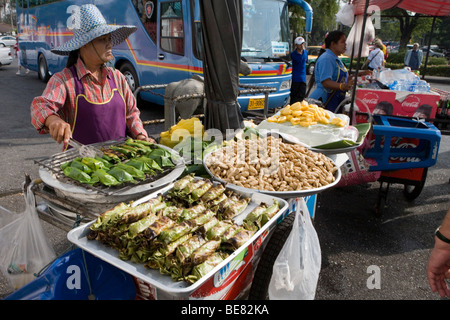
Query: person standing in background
{"x": 413, "y": 58}
{"x": 18, "y": 55}
{"x": 299, "y": 58}
{"x": 376, "y": 56}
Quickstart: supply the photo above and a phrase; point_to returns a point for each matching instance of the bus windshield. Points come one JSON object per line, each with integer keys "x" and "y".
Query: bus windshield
{"x": 265, "y": 30}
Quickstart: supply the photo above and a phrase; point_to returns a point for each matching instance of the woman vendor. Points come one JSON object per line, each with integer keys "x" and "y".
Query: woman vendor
{"x": 331, "y": 76}
{"x": 88, "y": 100}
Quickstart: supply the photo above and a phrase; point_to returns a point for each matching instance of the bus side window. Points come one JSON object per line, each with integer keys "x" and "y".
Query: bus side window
{"x": 145, "y": 10}
{"x": 172, "y": 28}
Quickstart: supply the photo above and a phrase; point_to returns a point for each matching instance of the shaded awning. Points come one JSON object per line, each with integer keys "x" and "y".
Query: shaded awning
{"x": 426, "y": 7}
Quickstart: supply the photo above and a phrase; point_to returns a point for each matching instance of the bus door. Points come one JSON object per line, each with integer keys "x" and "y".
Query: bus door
{"x": 174, "y": 50}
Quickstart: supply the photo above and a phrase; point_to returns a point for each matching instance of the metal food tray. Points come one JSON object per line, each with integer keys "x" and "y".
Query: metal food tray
{"x": 278, "y": 194}
{"x": 177, "y": 289}
{"x": 52, "y": 175}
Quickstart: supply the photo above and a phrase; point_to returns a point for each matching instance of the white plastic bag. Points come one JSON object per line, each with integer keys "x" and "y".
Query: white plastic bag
{"x": 354, "y": 37}
{"x": 297, "y": 267}
{"x": 24, "y": 248}
{"x": 345, "y": 15}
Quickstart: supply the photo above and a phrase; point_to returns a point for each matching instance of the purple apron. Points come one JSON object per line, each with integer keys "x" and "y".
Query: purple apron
{"x": 98, "y": 122}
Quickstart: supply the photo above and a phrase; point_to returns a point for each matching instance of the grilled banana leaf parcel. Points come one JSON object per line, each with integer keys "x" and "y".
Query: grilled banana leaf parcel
{"x": 110, "y": 218}
{"x": 203, "y": 252}
{"x": 139, "y": 226}
{"x": 237, "y": 240}
{"x": 213, "y": 193}
{"x": 218, "y": 230}
{"x": 140, "y": 165}
{"x": 175, "y": 232}
{"x": 200, "y": 191}
{"x": 78, "y": 175}
{"x": 255, "y": 219}
{"x": 121, "y": 175}
{"x": 234, "y": 209}
{"x": 204, "y": 268}
{"x": 136, "y": 173}
{"x": 93, "y": 163}
{"x": 105, "y": 178}
{"x": 192, "y": 212}
{"x": 161, "y": 224}
{"x": 182, "y": 183}
{"x": 142, "y": 210}
{"x": 184, "y": 251}
{"x": 157, "y": 259}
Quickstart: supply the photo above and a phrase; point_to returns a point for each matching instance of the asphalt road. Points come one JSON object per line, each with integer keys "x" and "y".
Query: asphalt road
{"x": 353, "y": 240}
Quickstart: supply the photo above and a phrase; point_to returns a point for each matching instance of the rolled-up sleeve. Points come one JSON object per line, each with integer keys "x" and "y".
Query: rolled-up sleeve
{"x": 49, "y": 103}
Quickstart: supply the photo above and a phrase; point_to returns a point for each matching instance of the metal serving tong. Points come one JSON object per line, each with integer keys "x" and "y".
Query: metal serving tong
{"x": 85, "y": 151}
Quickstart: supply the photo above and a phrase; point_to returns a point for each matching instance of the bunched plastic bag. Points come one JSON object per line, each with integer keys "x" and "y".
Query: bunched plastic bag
{"x": 24, "y": 247}
{"x": 297, "y": 267}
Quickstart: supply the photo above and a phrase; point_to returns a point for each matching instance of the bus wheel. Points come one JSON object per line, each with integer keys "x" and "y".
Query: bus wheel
{"x": 130, "y": 75}
{"x": 43, "y": 69}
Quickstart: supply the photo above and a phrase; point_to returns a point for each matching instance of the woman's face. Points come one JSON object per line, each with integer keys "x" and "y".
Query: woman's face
{"x": 100, "y": 49}
{"x": 339, "y": 47}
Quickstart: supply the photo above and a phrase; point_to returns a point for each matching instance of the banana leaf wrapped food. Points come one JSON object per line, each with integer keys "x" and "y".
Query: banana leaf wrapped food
{"x": 237, "y": 240}
{"x": 218, "y": 229}
{"x": 158, "y": 258}
{"x": 184, "y": 251}
{"x": 234, "y": 208}
{"x": 203, "y": 252}
{"x": 260, "y": 215}
{"x": 142, "y": 210}
{"x": 205, "y": 267}
{"x": 121, "y": 175}
{"x": 200, "y": 191}
{"x": 105, "y": 178}
{"x": 213, "y": 192}
{"x": 192, "y": 212}
{"x": 110, "y": 217}
{"x": 136, "y": 173}
{"x": 79, "y": 175}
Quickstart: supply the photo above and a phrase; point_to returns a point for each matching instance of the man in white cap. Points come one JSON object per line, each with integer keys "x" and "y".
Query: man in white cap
{"x": 88, "y": 100}
{"x": 299, "y": 57}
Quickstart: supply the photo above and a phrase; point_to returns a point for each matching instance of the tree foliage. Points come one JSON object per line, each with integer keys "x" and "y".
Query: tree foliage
{"x": 324, "y": 19}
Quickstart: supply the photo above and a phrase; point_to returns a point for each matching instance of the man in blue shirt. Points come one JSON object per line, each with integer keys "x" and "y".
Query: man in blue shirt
{"x": 299, "y": 58}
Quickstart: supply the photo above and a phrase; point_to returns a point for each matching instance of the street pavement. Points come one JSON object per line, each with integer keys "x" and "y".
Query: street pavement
{"x": 354, "y": 241}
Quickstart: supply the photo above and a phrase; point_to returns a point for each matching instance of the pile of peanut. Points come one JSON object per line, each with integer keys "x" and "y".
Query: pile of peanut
{"x": 271, "y": 165}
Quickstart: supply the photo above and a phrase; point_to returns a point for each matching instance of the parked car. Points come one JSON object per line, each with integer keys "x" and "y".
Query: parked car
{"x": 313, "y": 54}
{"x": 434, "y": 52}
{"x": 5, "y": 56}
{"x": 7, "y": 41}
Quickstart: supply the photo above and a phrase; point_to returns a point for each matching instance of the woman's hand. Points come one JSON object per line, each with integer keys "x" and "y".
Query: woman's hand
{"x": 59, "y": 129}
{"x": 145, "y": 138}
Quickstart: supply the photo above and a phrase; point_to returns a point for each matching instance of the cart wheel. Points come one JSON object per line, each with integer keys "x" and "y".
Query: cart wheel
{"x": 263, "y": 273}
{"x": 411, "y": 192}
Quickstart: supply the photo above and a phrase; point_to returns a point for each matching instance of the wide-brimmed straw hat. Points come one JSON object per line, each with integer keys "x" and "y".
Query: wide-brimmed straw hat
{"x": 90, "y": 24}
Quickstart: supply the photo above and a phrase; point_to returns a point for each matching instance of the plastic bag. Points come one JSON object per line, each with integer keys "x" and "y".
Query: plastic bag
{"x": 354, "y": 37}
{"x": 345, "y": 15}
{"x": 297, "y": 267}
{"x": 24, "y": 248}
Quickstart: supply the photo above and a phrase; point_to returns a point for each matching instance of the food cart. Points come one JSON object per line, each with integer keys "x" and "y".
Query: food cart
{"x": 404, "y": 169}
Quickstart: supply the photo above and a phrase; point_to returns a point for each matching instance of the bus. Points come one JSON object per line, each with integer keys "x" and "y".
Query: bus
{"x": 167, "y": 44}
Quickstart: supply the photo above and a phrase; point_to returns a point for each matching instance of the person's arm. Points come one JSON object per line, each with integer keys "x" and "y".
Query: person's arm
{"x": 333, "y": 85}
{"x": 439, "y": 263}
{"x": 44, "y": 111}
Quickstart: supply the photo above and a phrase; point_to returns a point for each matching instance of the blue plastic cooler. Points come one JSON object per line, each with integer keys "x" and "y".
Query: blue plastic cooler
{"x": 78, "y": 275}
{"x": 388, "y": 129}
